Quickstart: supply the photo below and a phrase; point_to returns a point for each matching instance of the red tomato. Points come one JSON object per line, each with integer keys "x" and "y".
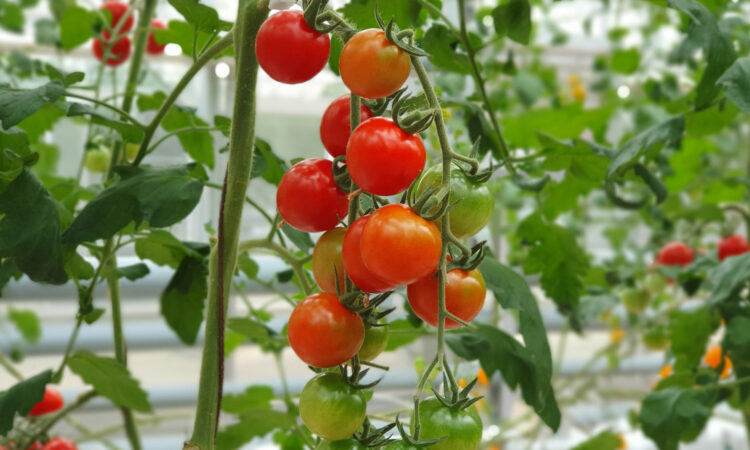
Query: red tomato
{"x": 732, "y": 245}
{"x": 119, "y": 52}
{"x": 51, "y": 402}
{"x": 323, "y": 333}
{"x": 309, "y": 199}
{"x": 35, "y": 446}
{"x": 371, "y": 66}
{"x": 398, "y": 246}
{"x": 289, "y": 50}
{"x": 327, "y": 256}
{"x": 382, "y": 158}
{"x": 118, "y": 10}
{"x": 335, "y": 126}
{"x": 59, "y": 443}
{"x": 354, "y": 266}
{"x": 153, "y": 47}
{"x": 464, "y": 297}
{"x": 675, "y": 253}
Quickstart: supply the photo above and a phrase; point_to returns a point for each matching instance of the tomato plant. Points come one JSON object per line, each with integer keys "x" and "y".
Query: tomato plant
{"x": 60, "y": 444}
{"x": 371, "y": 66}
{"x": 153, "y": 47}
{"x": 327, "y": 264}
{"x": 462, "y": 428}
{"x": 117, "y": 51}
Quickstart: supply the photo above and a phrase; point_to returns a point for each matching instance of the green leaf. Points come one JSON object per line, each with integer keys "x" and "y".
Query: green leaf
{"x": 45, "y": 32}
{"x": 183, "y": 300}
{"x": 20, "y": 398}
{"x": 27, "y": 324}
{"x": 361, "y": 12}
{"x": 253, "y": 423}
{"x": 710, "y": 120}
{"x": 513, "y": 19}
{"x": 736, "y": 83}
{"x": 272, "y": 166}
{"x": 729, "y": 278}
{"x": 625, "y": 61}
{"x": 337, "y": 46}
{"x": 11, "y": 17}
{"x": 440, "y": 43}
{"x": 569, "y": 122}
{"x": 182, "y": 33}
{"x": 161, "y": 247}
{"x": 737, "y": 345}
{"x": 689, "y": 332}
{"x": 529, "y": 87}
{"x": 41, "y": 121}
{"x": 251, "y": 329}
{"x": 647, "y": 141}
{"x": 30, "y": 230}
{"x": 18, "y": 105}
{"x": 76, "y": 26}
{"x": 527, "y": 183}
{"x": 673, "y": 415}
{"x": 198, "y": 144}
{"x": 151, "y": 102}
{"x": 203, "y": 17}
{"x": 110, "y": 379}
{"x": 129, "y": 132}
{"x": 134, "y": 271}
{"x": 301, "y": 239}
{"x": 248, "y": 266}
{"x": 254, "y": 397}
{"x": 159, "y": 196}
{"x": 606, "y": 440}
{"x": 402, "y": 332}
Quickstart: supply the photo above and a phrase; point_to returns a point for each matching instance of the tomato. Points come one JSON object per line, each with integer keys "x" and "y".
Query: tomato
{"x": 59, "y": 443}
{"x": 382, "y": 158}
{"x": 346, "y": 444}
{"x": 473, "y": 201}
{"x": 97, "y": 160}
{"x": 371, "y": 66}
{"x": 118, "y": 10}
{"x": 463, "y": 428}
{"x": 665, "y": 371}
{"x": 335, "y": 126}
{"x": 289, "y": 50}
{"x": 36, "y": 446}
{"x": 323, "y": 333}
{"x": 51, "y": 402}
{"x": 153, "y": 47}
{"x": 731, "y": 246}
{"x": 309, "y": 199}
{"x": 131, "y": 150}
{"x": 376, "y": 338}
{"x": 654, "y": 283}
{"x": 331, "y": 408}
{"x": 656, "y": 338}
{"x": 400, "y": 247}
{"x": 675, "y": 253}
{"x": 635, "y": 300}
{"x": 118, "y": 54}
{"x": 326, "y": 256}
{"x": 464, "y": 296}
{"x": 354, "y": 265}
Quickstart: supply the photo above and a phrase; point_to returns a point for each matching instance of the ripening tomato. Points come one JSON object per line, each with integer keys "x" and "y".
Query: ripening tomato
{"x": 118, "y": 54}
{"x": 331, "y": 408}
{"x": 354, "y": 265}
{"x": 675, "y": 253}
{"x": 731, "y": 246}
{"x": 51, "y": 402}
{"x": 400, "y": 247}
{"x": 464, "y": 296}
{"x": 323, "y": 332}
{"x": 371, "y": 66}
{"x": 462, "y": 428}
{"x": 376, "y": 338}
{"x": 309, "y": 199}
{"x": 118, "y": 10}
{"x": 327, "y": 256}
{"x": 289, "y": 50}
{"x": 335, "y": 126}
{"x": 383, "y": 159}
{"x": 59, "y": 443}
{"x": 635, "y": 300}
{"x": 153, "y": 47}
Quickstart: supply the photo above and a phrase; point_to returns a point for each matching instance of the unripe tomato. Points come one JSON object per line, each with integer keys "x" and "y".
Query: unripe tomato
{"x": 309, "y": 199}
{"x": 354, "y": 265}
{"x": 383, "y": 159}
{"x": 59, "y": 443}
{"x": 635, "y": 300}
{"x": 97, "y": 160}
{"x": 118, "y": 10}
{"x": 654, "y": 283}
{"x": 376, "y": 338}
{"x": 153, "y": 47}
{"x": 473, "y": 202}
{"x": 344, "y": 444}
{"x": 731, "y": 246}
{"x": 51, "y": 402}
{"x": 675, "y": 253}
{"x": 323, "y": 333}
{"x": 118, "y": 54}
{"x": 464, "y": 297}
{"x": 289, "y": 50}
{"x": 371, "y": 66}
{"x": 331, "y": 408}
{"x": 656, "y": 338}
{"x": 335, "y": 126}
{"x": 463, "y": 428}
{"x": 326, "y": 256}
{"x": 131, "y": 151}
{"x": 400, "y": 247}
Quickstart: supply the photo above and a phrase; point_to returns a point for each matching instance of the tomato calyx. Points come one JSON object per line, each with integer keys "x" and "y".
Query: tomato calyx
{"x": 457, "y": 398}
{"x": 371, "y": 436}
{"x": 413, "y": 121}
{"x": 341, "y": 175}
{"x": 325, "y": 20}
{"x": 414, "y": 441}
{"x": 432, "y": 204}
{"x": 403, "y": 39}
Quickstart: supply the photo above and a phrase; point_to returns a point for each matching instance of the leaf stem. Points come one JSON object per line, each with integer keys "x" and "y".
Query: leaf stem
{"x": 7, "y": 365}
{"x": 105, "y": 105}
{"x": 296, "y": 264}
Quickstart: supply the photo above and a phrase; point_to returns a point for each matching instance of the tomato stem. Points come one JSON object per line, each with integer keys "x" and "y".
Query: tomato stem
{"x": 297, "y": 264}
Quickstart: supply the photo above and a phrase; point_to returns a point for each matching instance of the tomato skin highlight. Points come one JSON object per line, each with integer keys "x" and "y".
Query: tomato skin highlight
{"x": 289, "y": 50}
{"x": 731, "y": 246}
{"x": 327, "y": 255}
{"x": 383, "y": 159}
{"x": 400, "y": 247}
{"x": 308, "y": 198}
{"x": 153, "y": 47}
{"x": 51, "y": 402}
{"x": 60, "y": 443}
{"x": 464, "y": 297}
{"x": 371, "y": 66}
{"x": 335, "y": 126}
{"x": 376, "y": 338}
{"x": 118, "y": 10}
{"x": 675, "y": 253}
{"x": 119, "y": 52}
{"x": 331, "y": 408}
{"x": 463, "y": 428}
{"x": 354, "y": 266}
{"x": 323, "y": 333}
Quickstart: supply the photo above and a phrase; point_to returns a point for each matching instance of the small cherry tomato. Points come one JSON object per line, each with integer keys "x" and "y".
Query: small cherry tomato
{"x": 331, "y": 408}
{"x": 118, "y": 10}
{"x": 383, "y": 159}
{"x": 153, "y": 47}
{"x": 327, "y": 256}
{"x": 635, "y": 300}
{"x": 371, "y": 66}
{"x": 118, "y": 54}
{"x": 323, "y": 333}
{"x": 97, "y": 160}
{"x": 59, "y": 443}
{"x": 309, "y": 199}
{"x": 376, "y": 338}
{"x": 400, "y": 247}
{"x": 675, "y": 253}
{"x": 335, "y": 126}
{"x": 289, "y": 50}
{"x": 462, "y": 428}
{"x": 51, "y": 402}
{"x": 731, "y": 246}
{"x": 464, "y": 297}
{"x": 131, "y": 151}
{"x": 354, "y": 265}
{"x": 656, "y": 338}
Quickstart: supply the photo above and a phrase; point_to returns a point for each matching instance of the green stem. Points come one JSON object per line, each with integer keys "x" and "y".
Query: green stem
{"x": 57, "y": 376}
{"x": 105, "y": 105}
{"x": 296, "y": 264}
{"x": 417, "y": 395}
{"x": 7, "y": 365}
{"x": 97, "y": 89}
{"x": 67, "y": 409}
{"x": 176, "y": 132}
{"x": 746, "y": 419}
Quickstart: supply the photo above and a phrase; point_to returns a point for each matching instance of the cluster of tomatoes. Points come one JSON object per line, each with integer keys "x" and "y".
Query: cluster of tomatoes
{"x": 51, "y": 402}
{"x": 114, "y": 36}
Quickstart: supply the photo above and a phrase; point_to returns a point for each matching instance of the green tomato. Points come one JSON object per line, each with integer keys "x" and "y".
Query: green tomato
{"x": 131, "y": 151}
{"x": 475, "y": 202}
{"x": 331, "y": 408}
{"x": 463, "y": 428}
{"x": 656, "y": 338}
{"x": 655, "y": 283}
{"x": 97, "y": 160}
{"x": 635, "y": 300}
{"x": 375, "y": 341}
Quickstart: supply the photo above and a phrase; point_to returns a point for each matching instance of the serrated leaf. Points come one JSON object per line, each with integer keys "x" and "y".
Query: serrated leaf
{"x": 183, "y": 300}
{"x": 441, "y": 44}
{"x": 161, "y": 247}
{"x": 27, "y": 324}
{"x": 110, "y": 379}
{"x": 198, "y": 144}
{"x": 673, "y": 415}
{"x": 728, "y": 278}
{"x": 17, "y": 105}
{"x": 361, "y": 12}
{"x": 253, "y": 423}
{"x": 20, "y": 398}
